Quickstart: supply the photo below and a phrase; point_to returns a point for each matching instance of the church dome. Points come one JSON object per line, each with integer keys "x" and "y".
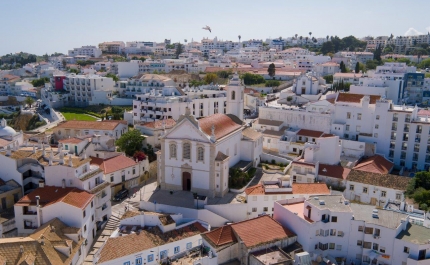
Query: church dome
{"x": 6, "y": 130}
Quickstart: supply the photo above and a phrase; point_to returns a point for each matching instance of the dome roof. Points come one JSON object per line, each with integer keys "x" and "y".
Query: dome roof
{"x": 6, "y": 130}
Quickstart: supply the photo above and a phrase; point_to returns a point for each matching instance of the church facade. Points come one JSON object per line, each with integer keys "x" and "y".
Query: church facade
{"x": 196, "y": 155}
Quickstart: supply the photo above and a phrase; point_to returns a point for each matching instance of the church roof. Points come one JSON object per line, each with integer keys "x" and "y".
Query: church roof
{"x": 6, "y": 130}
{"x": 224, "y": 124}
{"x": 221, "y": 156}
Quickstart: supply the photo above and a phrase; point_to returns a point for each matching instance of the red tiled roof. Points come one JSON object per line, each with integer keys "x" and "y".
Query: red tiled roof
{"x": 333, "y": 171}
{"x": 221, "y": 236}
{"x": 260, "y": 230}
{"x": 310, "y": 133}
{"x": 10, "y": 77}
{"x": 310, "y": 188}
{"x": 223, "y": 125}
{"x": 113, "y": 164}
{"x": 355, "y": 98}
{"x": 424, "y": 112}
{"x": 375, "y": 164}
{"x": 159, "y": 124}
{"x": 97, "y": 125}
{"x": 72, "y": 140}
{"x": 255, "y": 190}
{"x": 52, "y": 194}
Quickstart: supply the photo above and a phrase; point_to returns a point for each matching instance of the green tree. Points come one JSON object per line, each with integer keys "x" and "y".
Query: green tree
{"x": 343, "y": 67}
{"x": 64, "y": 63}
{"x": 130, "y": 142}
{"x": 210, "y": 78}
{"x": 29, "y": 101}
{"x": 272, "y": 83}
{"x": 327, "y": 47}
{"x": 179, "y": 49}
{"x": 113, "y": 76}
{"x": 377, "y": 53}
{"x": 357, "y": 67}
{"x": 252, "y": 79}
{"x": 328, "y": 79}
{"x": 371, "y": 64}
{"x": 40, "y": 82}
{"x": 271, "y": 70}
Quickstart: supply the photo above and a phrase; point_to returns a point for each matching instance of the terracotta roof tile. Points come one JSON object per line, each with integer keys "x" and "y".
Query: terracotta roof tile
{"x": 310, "y": 133}
{"x": 255, "y": 190}
{"x": 51, "y": 194}
{"x": 269, "y": 122}
{"x": 380, "y": 180}
{"x": 260, "y": 230}
{"x": 310, "y": 188}
{"x": 113, "y": 164}
{"x": 221, "y": 236}
{"x": 224, "y": 125}
{"x": 355, "y": 98}
{"x": 121, "y": 246}
{"x": 98, "y": 125}
{"x": 159, "y": 124}
{"x": 375, "y": 164}
{"x": 334, "y": 171}
{"x": 72, "y": 140}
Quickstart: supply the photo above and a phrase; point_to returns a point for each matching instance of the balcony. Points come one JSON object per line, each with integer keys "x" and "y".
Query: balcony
{"x": 404, "y": 147}
{"x": 395, "y": 119}
{"x": 393, "y": 137}
{"x": 406, "y": 129}
{"x": 394, "y": 128}
{"x": 407, "y": 120}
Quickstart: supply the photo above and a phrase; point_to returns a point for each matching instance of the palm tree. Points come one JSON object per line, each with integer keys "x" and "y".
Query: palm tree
{"x": 310, "y": 34}
{"x": 296, "y": 35}
{"x": 327, "y": 37}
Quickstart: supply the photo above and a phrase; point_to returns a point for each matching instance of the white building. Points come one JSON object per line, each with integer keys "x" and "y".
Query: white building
{"x": 91, "y": 51}
{"x": 332, "y": 227}
{"x": 308, "y": 84}
{"x": 151, "y": 239}
{"x": 89, "y": 89}
{"x": 106, "y": 129}
{"x": 112, "y": 47}
{"x": 328, "y": 68}
{"x": 72, "y": 206}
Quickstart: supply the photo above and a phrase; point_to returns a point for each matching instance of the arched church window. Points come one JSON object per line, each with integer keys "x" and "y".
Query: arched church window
{"x": 200, "y": 154}
{"x": 233, "y": 95}
{"x": 172, "y": 150}
{"x": 186, "y": 151}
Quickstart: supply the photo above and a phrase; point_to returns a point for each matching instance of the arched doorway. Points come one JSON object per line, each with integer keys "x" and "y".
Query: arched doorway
{"x": 186, "y": 181}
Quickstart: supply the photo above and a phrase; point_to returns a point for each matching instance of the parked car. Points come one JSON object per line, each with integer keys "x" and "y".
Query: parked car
{"x": 121, "y": 195}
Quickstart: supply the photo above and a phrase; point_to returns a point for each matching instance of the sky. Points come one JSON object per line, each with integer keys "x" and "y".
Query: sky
{"x": 48, "y": 26}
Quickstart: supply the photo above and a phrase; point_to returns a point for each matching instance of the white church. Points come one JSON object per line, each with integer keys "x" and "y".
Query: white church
{"x": 196, "y": 154}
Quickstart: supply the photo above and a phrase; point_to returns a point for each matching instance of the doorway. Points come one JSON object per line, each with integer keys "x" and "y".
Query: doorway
{"x": 186, "y": 181}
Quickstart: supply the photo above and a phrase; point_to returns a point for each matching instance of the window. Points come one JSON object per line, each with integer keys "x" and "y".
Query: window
{"x": 358, "y": 128}
{"x": 338, "y": 247}
{"x": 331, "y": 246}
{"x": 377, "y": 232}
{"x": 266, "y": 198}
{"x": 377, "y": 117}
{"x": 383, "y": 193}
{"x": 347, "y": 127}
{"x": 134, "y": 171}
{"x": 92, "y": 204}
{"x": 138, "y": 261}
{"x": 359, "y": 243}
{"x": 85, "y": 228}
{"x": 368, "y": 230}
{"x": 254, "y": 198}
{"x": 127, "y": 263}
{"x": 275, "y": 197}
{"x": 376, "y": 126}
{"x": 176, "y": 250}
{"x": 366, "y": 259}
{"x": 92, "y": 217}
{"x": 332, "y": 232}
{"x": 189, "y": 245}
{"x": 340, "y": 233}
{"x": 84, "y": 213}
{"x": 382, "y": 249}
{"x": 398, "y": 196}
{"x": 200, "y": 154}
{"x": 172, "y": 150}
{"x": 334, "y": 219}
{"x": 265, "y": 209}
{"x": 150, "y": 257}
{"x": 254, "y": 209}
{"x": 375, "y": 246}
{"x": 375, "y": 135}
{"x": 360, "y": 228}
{"x": 364, "y": 189}
{"x": 163, "y": 254}
{"x": 359, "y": 116}
{"x": 186, "y": 154}
{"x": 406, "y": 249}
{"x": 348, "y": 115}
{"x": 367, "y": 245}
{"x": 351, "y": 187}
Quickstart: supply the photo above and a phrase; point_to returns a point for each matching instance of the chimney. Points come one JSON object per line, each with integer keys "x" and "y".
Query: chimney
{"x": 63, "y": 183}
{"x": 41, "y": 184}
{"x": 51, "y": 156}
{"x": 61, "y": 158}
{"x": 8, "y": 151}
{"x": 34, "y": 148}
{"x": 37, "y": 209}
{"x": 70, "y": 161}
{"x": 43, "y": 150}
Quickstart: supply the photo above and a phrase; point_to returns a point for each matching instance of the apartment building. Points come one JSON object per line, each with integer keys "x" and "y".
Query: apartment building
{"x": 112, "y": 47}
{"x": 89, "y": 89}
{"x": 90, "y": 51}
{"x": 330, "y": 226}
